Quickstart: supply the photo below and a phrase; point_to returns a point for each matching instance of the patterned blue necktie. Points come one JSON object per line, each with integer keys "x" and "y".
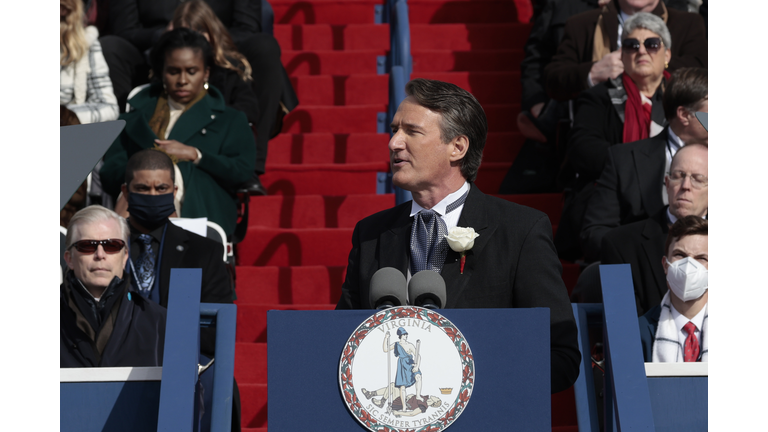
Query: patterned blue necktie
{"x": 145, "y": 265}
{"x": 428, "y": 244}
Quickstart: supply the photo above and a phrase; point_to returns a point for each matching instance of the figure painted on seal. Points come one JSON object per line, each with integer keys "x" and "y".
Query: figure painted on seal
{"x": 407, "y": 372}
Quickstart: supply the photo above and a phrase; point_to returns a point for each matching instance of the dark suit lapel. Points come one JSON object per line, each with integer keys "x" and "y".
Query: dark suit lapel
{"x": 654, "y": 228}
{"x": 394, "y": 241}
{"x": 650, "y": 162}
{"x": 174, "y": 247}
{"x": 193, "y": 121}
{"x": 472, "y": 216}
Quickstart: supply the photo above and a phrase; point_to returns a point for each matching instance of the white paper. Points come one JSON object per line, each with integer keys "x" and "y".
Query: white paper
{"x": 198, "y": 226}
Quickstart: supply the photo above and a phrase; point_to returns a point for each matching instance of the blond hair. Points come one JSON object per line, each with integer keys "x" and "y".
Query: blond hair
{"x": 198, "y": 16}
{"x": 72, "y": 33}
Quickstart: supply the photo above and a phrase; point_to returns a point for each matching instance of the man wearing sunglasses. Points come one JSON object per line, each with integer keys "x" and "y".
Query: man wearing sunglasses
{"x": 157, "y": 245}
{"x": 589, "y": 52}
{"x": 631, "y": 187}
{"x": 104, "y": 321}
{"x": 641, "y": 244}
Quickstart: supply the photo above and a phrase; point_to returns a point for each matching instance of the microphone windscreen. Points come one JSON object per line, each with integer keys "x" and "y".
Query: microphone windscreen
{"x": 388, "y": 288}
{"x": 427, "y": 289}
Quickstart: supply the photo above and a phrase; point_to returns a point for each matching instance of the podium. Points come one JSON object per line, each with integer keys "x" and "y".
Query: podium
{"x": 512, "y": 363}
{"x": 637, "y": 396}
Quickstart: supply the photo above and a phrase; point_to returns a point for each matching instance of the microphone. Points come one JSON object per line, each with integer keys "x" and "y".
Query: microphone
{"x": 387, "y": 288}
{"x": 427, "y": 289}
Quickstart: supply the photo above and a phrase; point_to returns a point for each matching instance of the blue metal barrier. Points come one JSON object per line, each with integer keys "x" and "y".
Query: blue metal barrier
{"x": 628, "y": 403}
{"x": 584, "y": 387}
{"x": 224, "y": 317}
{"x": 177, "y": 389}
{"x": 130, "y": 399}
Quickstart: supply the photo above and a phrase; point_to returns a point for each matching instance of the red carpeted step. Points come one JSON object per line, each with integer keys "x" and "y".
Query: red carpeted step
{"x": 333, "y": 119}
{"x": 316, "y": 211}
{"x": 323, "y": 179}
{"x": 475, "y": 60}
{"x": 466, "y": 37}
{"x": 464, "y": 11}
{"x": 342, "y": 89}
{"x": 502, "y": 117}
{"x": 252, "y": 319}
{"x": 564, "y": 409}
{"x": 324, "y": 11}
{"x": 487, "y": 87}
{"x": 490, "y": 175}
{"x": 570, "y": 275}
{"x": 295, "y": 247}
{"x": 289, "y": 285}
{"x": 314, "y": 37}
{"x": 326, "y": 148}
{"x": 551, "y": 204}
{"x": 253, "y": 403}
{"x": 502, "y": 146}
{"x": 251, "y": 363}
{"x": 331, "y": 62}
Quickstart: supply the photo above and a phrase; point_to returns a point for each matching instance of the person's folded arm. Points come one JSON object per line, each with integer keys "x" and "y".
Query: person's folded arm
{"x": 236, "y": 160}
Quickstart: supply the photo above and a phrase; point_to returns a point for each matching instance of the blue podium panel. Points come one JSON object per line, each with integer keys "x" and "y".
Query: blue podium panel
{"x": 126, "y": 406}
{"x": 679, "y": 403}
{"x": 510, "y": 347}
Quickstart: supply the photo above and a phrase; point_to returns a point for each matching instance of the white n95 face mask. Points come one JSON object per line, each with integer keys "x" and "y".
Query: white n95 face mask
{"x": 687, "y": 278}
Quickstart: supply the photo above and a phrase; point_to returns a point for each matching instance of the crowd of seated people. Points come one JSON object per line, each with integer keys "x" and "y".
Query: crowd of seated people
{"x": 244, "y": 74}
{"x": 188, "y": 145}
{"x": 133, "y": 27}
{"x": 610, "y": 92}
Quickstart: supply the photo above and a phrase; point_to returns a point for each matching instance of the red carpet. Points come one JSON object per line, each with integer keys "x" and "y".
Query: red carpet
{"x": 322, "y": 170}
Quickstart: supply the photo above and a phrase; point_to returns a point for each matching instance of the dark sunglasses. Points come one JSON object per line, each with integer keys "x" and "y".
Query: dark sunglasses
{"x": 110, "y": 246}
{"x": 652, "y": 45}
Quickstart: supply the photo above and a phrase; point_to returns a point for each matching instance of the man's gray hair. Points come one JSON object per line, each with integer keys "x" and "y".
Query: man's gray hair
{"x": 94, "y": 214}
{"x": 649, "y": 22}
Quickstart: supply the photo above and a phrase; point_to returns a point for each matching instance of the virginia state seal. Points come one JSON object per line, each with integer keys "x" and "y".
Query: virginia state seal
{"x": 406, "y": 369}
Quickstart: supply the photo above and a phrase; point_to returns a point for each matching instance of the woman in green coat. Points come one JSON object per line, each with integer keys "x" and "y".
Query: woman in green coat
{"x": 212, "y": 144}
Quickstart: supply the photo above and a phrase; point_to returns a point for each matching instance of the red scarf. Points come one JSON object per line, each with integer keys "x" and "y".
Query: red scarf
{"x": 637, "y": 115}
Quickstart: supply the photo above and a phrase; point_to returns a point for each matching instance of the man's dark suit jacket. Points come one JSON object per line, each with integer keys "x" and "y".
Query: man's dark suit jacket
{"x": 641, "y": 245}
{"x": 566, "y": 75}
{"x": 184, "y": 249}
{"x": 512, "y": 264}
{"x": 628, "y": 190}
{"x": 649, "y": 323}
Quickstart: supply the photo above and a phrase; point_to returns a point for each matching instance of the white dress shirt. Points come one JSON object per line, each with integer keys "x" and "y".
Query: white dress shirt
{"x": 451, "y": 219}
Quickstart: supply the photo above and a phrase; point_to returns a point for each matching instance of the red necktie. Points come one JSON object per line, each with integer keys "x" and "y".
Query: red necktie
{"x": 691, "y": 343}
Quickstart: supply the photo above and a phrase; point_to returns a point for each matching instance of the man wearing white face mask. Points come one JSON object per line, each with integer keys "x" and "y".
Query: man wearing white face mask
{"x": 676, "y": 330}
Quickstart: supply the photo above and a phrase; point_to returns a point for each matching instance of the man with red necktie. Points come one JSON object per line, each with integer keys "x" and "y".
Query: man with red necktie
{"x": 676, "y": 330}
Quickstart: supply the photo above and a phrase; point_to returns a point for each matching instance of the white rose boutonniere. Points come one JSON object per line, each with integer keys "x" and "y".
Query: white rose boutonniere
{"x": 461, "y": 240}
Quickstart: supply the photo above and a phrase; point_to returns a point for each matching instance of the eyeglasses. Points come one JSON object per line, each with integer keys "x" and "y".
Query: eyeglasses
{"x": 632, "y": 45}
{"x": 111, "y": 246}
{"x": 698, "y": 181}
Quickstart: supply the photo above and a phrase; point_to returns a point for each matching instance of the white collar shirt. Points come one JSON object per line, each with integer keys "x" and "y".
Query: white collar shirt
{"x": 680, "y": 322}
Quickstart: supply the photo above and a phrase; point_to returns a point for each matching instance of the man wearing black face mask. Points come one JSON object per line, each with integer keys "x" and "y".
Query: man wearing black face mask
{"x": 157, "y": 245}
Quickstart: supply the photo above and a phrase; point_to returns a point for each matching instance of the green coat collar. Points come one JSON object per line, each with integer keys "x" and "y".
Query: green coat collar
{"x": 197, "y": 118}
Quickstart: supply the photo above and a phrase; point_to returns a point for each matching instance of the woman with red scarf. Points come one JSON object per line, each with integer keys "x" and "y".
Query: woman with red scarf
{"x": 627, "y": 108}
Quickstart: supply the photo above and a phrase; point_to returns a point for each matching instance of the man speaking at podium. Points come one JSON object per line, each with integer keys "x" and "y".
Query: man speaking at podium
{"x": 438, "y": 135}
